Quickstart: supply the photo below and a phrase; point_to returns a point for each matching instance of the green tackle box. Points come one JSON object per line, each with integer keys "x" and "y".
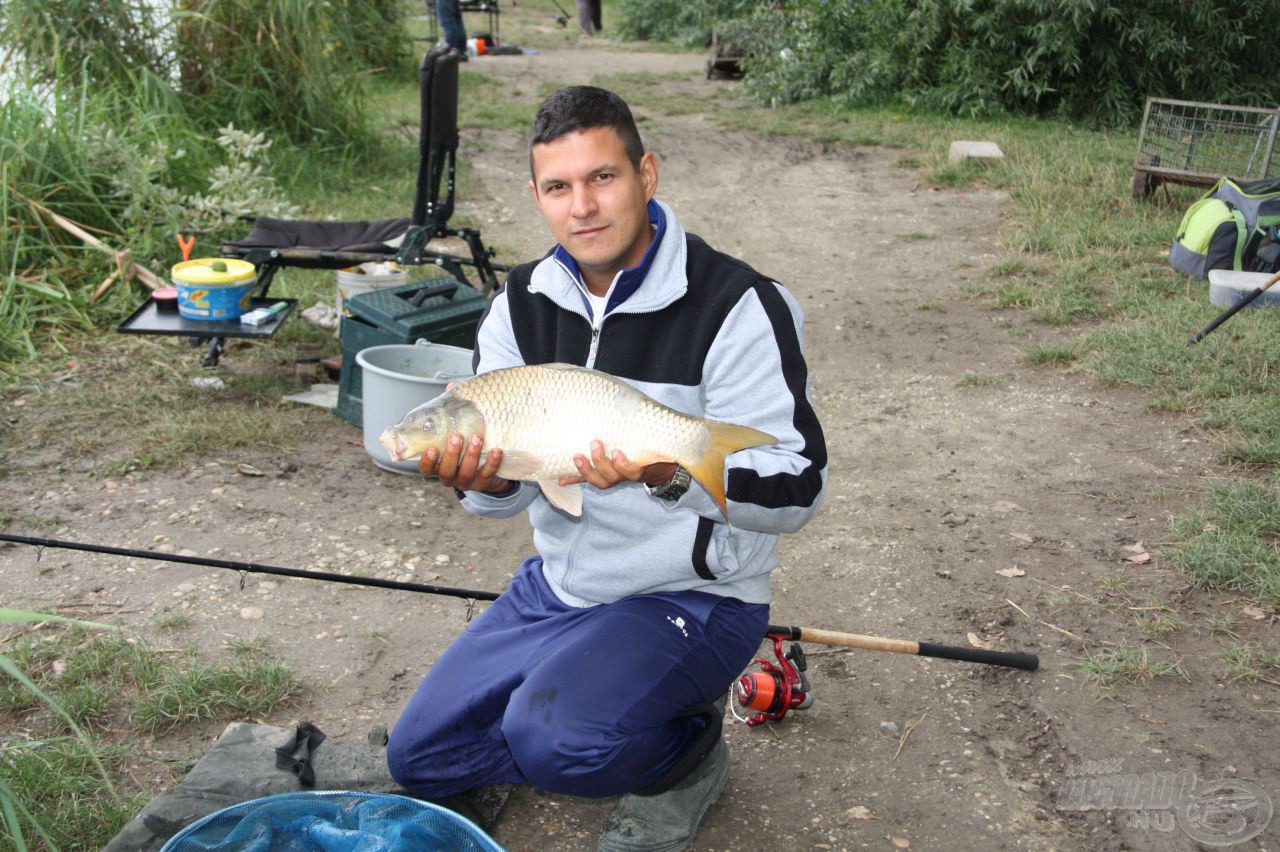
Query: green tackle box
{"x": 440, "y": 310}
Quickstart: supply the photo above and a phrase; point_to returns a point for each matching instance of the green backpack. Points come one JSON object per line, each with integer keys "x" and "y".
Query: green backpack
{"x": 1234, "y": 226}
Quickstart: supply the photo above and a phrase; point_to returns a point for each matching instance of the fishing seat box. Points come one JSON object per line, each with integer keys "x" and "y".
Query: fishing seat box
{"x": 439, "y": 310}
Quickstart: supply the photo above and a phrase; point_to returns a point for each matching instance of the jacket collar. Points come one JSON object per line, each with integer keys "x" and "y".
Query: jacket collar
{"x": 652, "y": 284}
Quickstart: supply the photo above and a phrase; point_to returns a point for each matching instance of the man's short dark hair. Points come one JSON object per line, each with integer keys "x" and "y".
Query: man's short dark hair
{"x": 578, "y": 108}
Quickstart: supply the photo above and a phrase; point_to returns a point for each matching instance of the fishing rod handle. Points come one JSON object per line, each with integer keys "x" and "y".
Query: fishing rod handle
{"x": 846, "y": 640}
{"x": 1008, "y": 659}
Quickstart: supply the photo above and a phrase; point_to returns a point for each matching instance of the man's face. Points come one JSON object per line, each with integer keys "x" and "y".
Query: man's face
{"x": 594, "y": 200}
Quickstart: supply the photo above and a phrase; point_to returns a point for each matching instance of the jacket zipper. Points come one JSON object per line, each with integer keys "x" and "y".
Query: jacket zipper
{"x": 595, "y": 343}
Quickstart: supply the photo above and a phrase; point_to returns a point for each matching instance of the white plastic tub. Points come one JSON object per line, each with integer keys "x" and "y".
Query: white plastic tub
{"x": 366, "y": 278}
{"x": 399, "y": 378}
{"x": 1226, "y": 287}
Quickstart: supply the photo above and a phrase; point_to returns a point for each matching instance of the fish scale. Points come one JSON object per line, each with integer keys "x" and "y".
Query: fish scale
{"x": 545, "y": 418}
{"x": 542, "y": 416}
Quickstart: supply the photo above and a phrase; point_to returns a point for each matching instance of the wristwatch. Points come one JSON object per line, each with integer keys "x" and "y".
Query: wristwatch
{"x": 673, "y": 489}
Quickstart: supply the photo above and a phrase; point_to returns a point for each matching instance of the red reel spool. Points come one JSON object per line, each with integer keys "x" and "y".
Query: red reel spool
{"x": 763, "y": 692}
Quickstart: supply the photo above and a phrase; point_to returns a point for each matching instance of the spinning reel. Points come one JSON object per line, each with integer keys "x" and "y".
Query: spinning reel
{"x": 777, "y": 689}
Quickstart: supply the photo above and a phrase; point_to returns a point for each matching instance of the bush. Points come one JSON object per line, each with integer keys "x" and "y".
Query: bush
{"x": 109, "y": 112}
{"x": 284, "y": 66}
{"x": 685, "y": 22}
{"x": 288, "y": 65}
{"x": 1080, "y": 58}
{"x": 113, "y": 37}
{"x": 127, "y": 164}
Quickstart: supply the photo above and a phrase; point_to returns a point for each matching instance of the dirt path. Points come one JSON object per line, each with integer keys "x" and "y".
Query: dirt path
{"x": 950, "y": 461}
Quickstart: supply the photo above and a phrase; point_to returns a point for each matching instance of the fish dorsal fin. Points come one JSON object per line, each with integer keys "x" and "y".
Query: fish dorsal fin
{"x": 567, "y": 498}
{"x": 517, "y": 464}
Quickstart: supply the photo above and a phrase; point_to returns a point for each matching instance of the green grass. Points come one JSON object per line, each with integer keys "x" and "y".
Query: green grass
{"x": 194, "y": 690}
{"x": 1117, "y": 584}
{"x": 107, "y": 679}
{"x": 1125, "y": 665}
{"x": 144, "y": 385}
{"x": 172, "y": 620}
{"x": 57, "y": 779}
{"x": 69, "y": 767}
{"x": 1229, "y": 542}
{"x": 1251, "y": 663}
{"x": 1058, "y": 356}
{"x": 484, "y": 103}
{"x": 973, "y": 379}
{"x": 1159, "y": 624}
{"x": 1224, "y": 624}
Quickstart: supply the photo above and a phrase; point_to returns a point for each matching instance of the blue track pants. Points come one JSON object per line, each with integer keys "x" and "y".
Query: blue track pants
{"x": 582, "y": 701}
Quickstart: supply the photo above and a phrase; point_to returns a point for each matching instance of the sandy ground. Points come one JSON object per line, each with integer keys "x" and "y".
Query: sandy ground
{"x": 937, "y": 485}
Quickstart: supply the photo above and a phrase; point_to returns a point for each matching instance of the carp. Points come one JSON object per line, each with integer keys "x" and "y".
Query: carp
{"x": 542, "y": 416}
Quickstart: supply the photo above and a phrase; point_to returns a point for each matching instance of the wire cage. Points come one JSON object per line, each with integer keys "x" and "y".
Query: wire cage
{"x": 1193, "y": 143}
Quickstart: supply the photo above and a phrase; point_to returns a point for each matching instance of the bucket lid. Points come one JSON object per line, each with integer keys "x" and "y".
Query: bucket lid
{"x": 213, "y": 270}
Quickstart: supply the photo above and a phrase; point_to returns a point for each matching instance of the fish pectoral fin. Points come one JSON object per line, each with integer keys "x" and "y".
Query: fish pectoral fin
{"x": 518, "y": 465}
{"x": 567, "y": 498}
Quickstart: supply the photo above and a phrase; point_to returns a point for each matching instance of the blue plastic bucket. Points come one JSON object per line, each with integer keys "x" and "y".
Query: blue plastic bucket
{"x": 333, "y": 821}
{"x": 214, "y": 288}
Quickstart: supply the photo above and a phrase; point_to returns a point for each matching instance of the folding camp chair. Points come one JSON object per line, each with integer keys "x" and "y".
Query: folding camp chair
{"x": 276, "y": 243}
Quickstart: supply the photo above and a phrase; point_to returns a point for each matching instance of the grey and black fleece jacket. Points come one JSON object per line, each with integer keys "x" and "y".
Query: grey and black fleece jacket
{"x": 707, "y": 335}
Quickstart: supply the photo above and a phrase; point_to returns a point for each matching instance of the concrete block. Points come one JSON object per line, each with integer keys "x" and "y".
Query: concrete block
{"x": 961, "y": 150}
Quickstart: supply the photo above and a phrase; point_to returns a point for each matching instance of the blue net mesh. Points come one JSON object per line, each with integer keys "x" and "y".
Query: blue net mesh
{"x": 332, "y": 821}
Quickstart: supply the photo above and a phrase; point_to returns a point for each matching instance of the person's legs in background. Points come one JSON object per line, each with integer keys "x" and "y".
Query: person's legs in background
{"x": 587, "y": 17}
{"x": 451, "y": 26}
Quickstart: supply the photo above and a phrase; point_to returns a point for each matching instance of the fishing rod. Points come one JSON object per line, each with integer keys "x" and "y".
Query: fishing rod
{"x": 771, "y": 692}
{"x": 253, "y": 567}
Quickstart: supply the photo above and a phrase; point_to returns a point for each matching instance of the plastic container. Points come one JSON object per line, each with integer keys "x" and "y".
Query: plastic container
{"x": 1227, "y": 286}
{"x": 439, "y": 310}
{"x": 366, "y": 278}
{"x": 166, "y": 299}
{"x": 399, "y": 378}
{"x": 214, "y": 288}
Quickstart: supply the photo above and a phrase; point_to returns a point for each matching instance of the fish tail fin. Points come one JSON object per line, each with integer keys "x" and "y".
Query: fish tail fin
{"x": 725, "y": 438}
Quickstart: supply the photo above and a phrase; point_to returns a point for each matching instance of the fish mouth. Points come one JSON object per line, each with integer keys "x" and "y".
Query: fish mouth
{"x": 395, "y": 446}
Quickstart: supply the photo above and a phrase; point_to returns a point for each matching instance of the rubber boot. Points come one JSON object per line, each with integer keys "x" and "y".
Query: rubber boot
{"x": 669, "y": 821}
